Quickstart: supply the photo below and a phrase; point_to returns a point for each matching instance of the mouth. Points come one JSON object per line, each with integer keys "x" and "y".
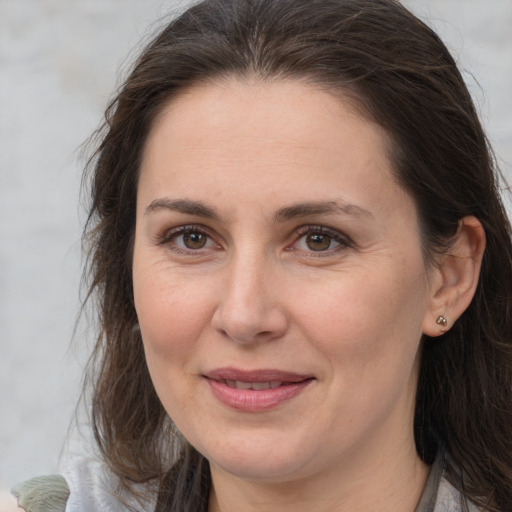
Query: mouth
{"x": 255, "y": 391}
{"x": 255, "y": 379}
{"x": 256, "y": 386}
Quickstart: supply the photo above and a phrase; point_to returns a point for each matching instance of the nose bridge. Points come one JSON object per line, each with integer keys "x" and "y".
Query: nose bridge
{"x": 249, "y": 308}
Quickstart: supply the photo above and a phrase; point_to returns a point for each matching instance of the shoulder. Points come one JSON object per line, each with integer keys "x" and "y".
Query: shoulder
{"x": 86, "y": 484}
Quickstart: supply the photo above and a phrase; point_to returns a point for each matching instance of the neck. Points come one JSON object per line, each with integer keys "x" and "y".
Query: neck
{"x": 392, "y": 479}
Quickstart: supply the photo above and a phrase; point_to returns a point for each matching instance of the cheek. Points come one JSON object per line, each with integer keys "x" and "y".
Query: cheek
{"x": 366, "y": 320}
{"x": 172, "y": 314}
{"x": 172, "y": 318}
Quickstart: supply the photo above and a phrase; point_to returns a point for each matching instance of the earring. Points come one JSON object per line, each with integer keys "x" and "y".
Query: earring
{"x": 441, "y": 320}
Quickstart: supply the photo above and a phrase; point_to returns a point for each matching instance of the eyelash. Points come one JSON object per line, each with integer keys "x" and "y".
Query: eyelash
{"x": 169, "y": 236}
{"x": 344, "y": 242}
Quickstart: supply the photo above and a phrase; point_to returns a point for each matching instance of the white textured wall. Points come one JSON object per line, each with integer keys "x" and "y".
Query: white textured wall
{"x": 58, "y": 63}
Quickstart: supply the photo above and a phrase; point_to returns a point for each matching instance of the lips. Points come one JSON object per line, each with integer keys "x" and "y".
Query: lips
{"x": 255, "y": 376}
{"x": 255, "y": 391}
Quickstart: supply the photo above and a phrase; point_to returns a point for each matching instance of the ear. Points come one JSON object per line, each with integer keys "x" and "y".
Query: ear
{"x": 455, "y": 278}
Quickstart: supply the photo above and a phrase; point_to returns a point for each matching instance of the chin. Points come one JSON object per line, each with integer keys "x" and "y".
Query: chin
{"x": 259, "y": 460}
{"x": 261, "y": 469}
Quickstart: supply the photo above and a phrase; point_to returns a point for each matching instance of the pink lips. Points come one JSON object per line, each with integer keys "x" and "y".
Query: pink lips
{"x": 254, "y": 391}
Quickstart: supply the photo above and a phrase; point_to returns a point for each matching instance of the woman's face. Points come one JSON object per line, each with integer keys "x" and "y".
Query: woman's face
{"x": 279, "y": 280}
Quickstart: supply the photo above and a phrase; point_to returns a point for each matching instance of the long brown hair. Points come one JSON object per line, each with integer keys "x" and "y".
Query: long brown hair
{"x": 402, "y": 76}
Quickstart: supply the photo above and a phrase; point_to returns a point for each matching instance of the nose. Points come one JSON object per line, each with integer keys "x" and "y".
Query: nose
{"x": 249, "y": 309}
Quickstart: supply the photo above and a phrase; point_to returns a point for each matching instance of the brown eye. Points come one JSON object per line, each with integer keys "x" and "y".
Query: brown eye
{"x": 188, "y": 238}
{"x": 194, "y": 240}
{"x": 321, "y": 239}
{"x": 318, "y": 241}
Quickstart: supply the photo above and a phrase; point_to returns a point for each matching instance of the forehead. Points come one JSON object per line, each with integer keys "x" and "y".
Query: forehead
{"x": 290, "y": 139}
{"x": 279, "y": 118}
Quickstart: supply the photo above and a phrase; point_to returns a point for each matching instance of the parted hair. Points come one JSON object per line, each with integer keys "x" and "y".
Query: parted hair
{"x": 399, "y": 74}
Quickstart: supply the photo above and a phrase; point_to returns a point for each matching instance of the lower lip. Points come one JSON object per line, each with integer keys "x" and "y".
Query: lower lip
{"x": 251, "y": 400}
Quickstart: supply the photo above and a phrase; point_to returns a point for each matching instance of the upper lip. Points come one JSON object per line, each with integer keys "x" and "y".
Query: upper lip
{"x": 261, "y": 375}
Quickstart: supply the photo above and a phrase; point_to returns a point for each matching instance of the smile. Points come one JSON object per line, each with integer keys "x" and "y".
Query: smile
{"x": 255, "y": 391}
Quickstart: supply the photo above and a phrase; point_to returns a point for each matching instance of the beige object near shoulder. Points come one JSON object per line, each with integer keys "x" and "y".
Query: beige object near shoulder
{"x": 43, "y": 494}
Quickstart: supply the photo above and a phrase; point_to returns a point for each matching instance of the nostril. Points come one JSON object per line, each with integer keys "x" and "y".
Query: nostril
{"x": 264, "y": 334}
{"x": 246, "y": 333}
{"x": 246, "y": 313}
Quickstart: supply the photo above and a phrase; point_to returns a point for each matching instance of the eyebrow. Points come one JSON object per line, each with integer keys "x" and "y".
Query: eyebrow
{"x": 320, "y": 208}
{"x": 199, "y": 209}
{"x": 186, "y": 206}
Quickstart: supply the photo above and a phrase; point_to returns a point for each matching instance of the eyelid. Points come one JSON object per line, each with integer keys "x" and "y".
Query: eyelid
{"x": 344, "y": 241}
{"x": 168, "y": 235}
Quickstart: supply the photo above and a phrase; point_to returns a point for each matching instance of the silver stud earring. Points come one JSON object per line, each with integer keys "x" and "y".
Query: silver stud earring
{"x": 441, "y": 320}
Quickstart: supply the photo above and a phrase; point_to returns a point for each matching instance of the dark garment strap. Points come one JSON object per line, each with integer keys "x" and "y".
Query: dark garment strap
{"x": 428, "y": 498}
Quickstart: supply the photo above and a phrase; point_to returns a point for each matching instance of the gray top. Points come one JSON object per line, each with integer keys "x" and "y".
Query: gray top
{"x": 90, "y": 489}
{"x": 439, "y": 495}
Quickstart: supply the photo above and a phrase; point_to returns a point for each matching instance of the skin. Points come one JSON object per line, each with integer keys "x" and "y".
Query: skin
{"x": 345, "y": 303}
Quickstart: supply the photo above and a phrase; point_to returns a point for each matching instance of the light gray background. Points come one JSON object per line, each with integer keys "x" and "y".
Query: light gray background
{"x": 59, "y": 60}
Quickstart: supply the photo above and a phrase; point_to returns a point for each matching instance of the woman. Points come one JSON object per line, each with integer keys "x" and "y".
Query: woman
{"x": 303, "y": 272}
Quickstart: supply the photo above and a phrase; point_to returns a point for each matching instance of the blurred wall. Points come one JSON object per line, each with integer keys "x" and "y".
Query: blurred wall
{"x": 59, "y": 60}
